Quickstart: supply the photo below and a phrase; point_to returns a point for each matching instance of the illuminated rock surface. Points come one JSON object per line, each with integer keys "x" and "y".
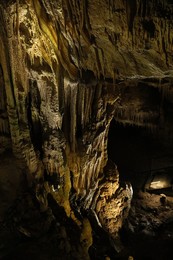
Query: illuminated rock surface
{"x": 67, "y": 68}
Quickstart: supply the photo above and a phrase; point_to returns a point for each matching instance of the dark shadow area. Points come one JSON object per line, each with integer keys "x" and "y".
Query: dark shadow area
{"x": 136, "y": 152}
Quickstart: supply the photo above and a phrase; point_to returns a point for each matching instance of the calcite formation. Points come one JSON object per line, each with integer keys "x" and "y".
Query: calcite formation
{"x": 67, "y": 68}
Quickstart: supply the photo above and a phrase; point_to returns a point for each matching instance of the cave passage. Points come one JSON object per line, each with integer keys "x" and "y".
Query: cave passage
{"x": 136, "y": 152}
{"x": 148, "y": 232}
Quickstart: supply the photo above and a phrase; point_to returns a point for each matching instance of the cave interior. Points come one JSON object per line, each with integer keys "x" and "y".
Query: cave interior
{"x": 86, "y": 130}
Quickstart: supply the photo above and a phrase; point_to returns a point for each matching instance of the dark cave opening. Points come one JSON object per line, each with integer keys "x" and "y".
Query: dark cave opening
{"x": 148, "y": 231}
{"x": 137, "y": 151}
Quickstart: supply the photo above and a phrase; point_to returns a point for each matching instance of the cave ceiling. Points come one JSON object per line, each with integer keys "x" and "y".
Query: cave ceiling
{"x": 67, "y": 68}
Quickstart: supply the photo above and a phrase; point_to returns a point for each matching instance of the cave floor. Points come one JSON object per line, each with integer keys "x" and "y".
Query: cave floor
{"x": 148, "y": 231}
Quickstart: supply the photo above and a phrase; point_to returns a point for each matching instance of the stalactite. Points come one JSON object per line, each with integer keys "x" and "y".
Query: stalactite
{"x": 134, "y": 116}
{"x": 81, "y": 105}
{"x": 73, "y": 10}
{"x": 73, "y": 115}
{"x": 131, "y": 9}
{"x": 67, "y": 2}
{"x": 4, "y": 126}
{"x": 4, "y": 123}
{"x": 85, "y": 25}
{"x": 17, "y": 19}
{"x": 88, "y": 96}
{"x": 61, "y": 49}
{"x": 99, "y": 62}
{"x": 111, "y": 6}
{"x": 82, "y": 23}
{"x": 10, "y": 99}
{"x": 79, "y": 20}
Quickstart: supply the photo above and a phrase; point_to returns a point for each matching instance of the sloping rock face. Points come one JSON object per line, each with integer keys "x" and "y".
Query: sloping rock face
{"x": 66, "y": 69}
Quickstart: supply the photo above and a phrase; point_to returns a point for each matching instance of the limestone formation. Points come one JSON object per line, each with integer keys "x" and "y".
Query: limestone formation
{"x": 67, "y": 68}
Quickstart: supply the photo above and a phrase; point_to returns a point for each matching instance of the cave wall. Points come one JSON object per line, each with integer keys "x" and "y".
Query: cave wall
{"x": 65, "y": 71}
